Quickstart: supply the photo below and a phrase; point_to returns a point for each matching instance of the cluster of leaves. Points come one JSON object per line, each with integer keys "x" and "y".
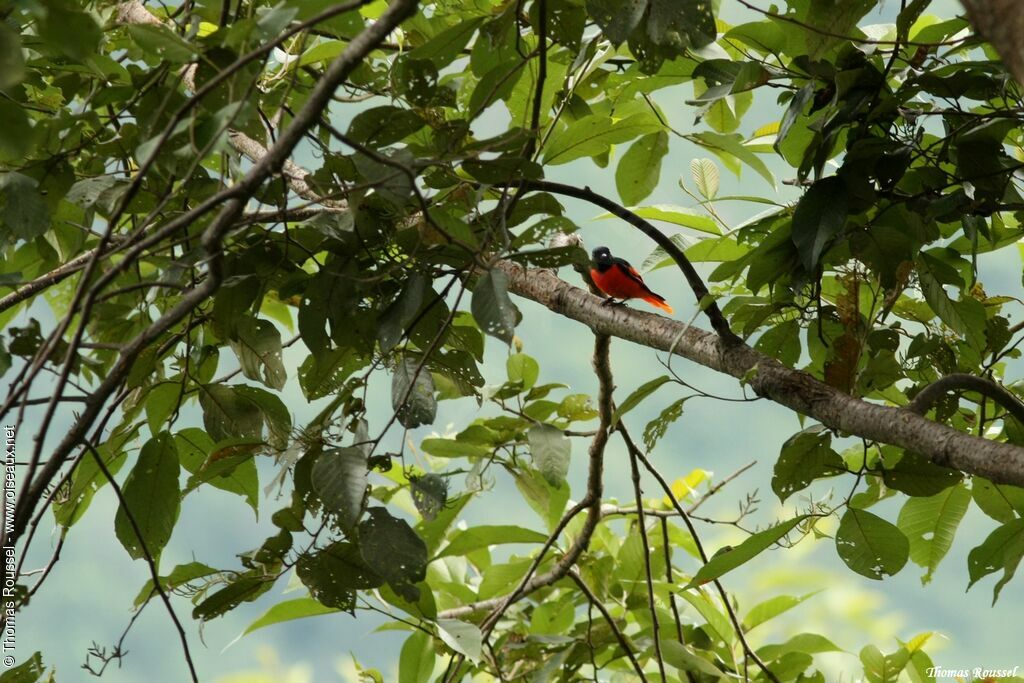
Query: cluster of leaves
{"x": 125, "y": 129}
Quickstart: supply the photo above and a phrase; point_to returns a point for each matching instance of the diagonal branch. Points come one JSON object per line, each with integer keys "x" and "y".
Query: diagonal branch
{"x": 1000, "y": 462}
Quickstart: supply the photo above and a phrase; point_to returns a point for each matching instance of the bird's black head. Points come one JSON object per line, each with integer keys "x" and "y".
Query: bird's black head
{"x": 602, "y": 258}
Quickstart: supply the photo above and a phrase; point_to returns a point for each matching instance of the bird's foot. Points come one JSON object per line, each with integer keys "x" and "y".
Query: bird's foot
{"x": 610, "y": 301}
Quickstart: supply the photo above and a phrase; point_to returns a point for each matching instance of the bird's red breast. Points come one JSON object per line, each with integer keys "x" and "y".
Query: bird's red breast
{"x": 621, "y": 281}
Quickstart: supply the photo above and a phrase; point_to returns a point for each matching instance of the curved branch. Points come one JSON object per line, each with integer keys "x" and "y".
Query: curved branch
{"x": 700, "y": 290}
{"x": 959, "y": 381}
{"x": 1000, "y": 462}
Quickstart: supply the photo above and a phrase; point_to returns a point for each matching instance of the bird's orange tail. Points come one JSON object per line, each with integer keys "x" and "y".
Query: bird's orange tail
{"x": 658, "y": 302}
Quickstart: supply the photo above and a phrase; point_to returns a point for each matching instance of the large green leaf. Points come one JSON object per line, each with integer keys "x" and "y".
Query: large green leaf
{"x": 930, "y": 524}
{"x": 339, "y": 479}
{"x": 639, "y": 170}
{"x": 593, "y": 135}
{"x": 412, "y": 394}
{"x": 871, "y": 546}
{"x": 806, "y": 456}
{"x": 492, "y": 308}
{"x": 258, "y": 347}
{"x": 289, "y": 610}
{"x": 819, "y": 217}
{"x": 744, "y": 552}
{"x": 152, "y": 499}
{"x": 550, "y": 449}
{"x": 1003, "y": 549}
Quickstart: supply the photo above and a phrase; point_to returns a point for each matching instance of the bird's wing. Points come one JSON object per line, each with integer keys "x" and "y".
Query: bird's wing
{"x": 629, "y": 271}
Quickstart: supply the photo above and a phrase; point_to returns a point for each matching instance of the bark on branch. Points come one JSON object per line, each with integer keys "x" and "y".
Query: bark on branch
{"x": 1000, "y": 462}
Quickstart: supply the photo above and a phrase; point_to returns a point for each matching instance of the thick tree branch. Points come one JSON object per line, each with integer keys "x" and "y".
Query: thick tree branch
{"x": 999, "y": 462}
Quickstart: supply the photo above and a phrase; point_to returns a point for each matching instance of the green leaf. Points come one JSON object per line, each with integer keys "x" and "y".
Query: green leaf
{"x": 1003, "y": 549}
{"x": 732, "y": 146}
{"x": 879, "y": 668}
{"x": 70, "y": 31}
{"x": 474, "y": 538}
{"x": 396, "y": 318}
{"x": 245, "y": 588}
{"x": 685, "y": 658}
{"x": 781, "y": 342}
{"x": 965, "y": 317}
{"x": 162, "y": 43}
{"x": 462, "y": 637}
{"x": 819, "y": 217}
{"x": 491, "y": 307}
{"x": 705, "y": 176}
{"x": 930, "y": 524}
{"x": 657, "y": 427}
{"x": 616, "y": 18}
{"x": 638, "y": 395}
{"x": 179, "y": 576}
{"x": 383, "y": 126}
{"x": 12, "y": 62}
{"x": 23, "y": 211}
{"x": 677, "y": 215}
{"x": 258, "y": 346}
{"x": 751, "y": 547}
{"x": 1001, "y": 502}
{"x": 522, "y": 369}
{"x": 771, "y": 608}
{"x": 161, "y": 400}
{"x": 550, "y": 449}
{"x": 339, "y": 479}
{"x": 29, "y": 671}
{"x": 593, "y": 135}
{"x": 416, "y": 661}
{"x": 806, "y": 456}
{"x": 152, "y": 498}
{"x": 447, "y": 45}
{"x": 289, "y": 610}
{"x": 871, "y": 546}
{"x": 235, "y": 474}
{"x": 391, "y": 548}
{"x": 639, "y": 170}
{"x": 916, "y": 475}
{"x": 451, "y": 448}
{"x": 334, "y": 574}
{"x": 227, "y": 414}
{"x": 412, "y": 394}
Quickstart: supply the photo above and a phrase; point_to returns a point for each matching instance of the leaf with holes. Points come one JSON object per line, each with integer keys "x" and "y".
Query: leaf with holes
{"x": 930, "y": 524}
{"x": 412, "y": 394}
{"x": 871, "y": 546}
{"x": 258, "y": 347}
{"x": 391, "y": 548}
{"x": 1003, "y": 549}
{"x": 806, "y": 456}
{"x": 492, "y": 308}
{"x": 339, "y": 479}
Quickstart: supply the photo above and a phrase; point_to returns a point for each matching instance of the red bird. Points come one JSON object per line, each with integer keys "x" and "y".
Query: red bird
{"x": 619, "y": 280}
